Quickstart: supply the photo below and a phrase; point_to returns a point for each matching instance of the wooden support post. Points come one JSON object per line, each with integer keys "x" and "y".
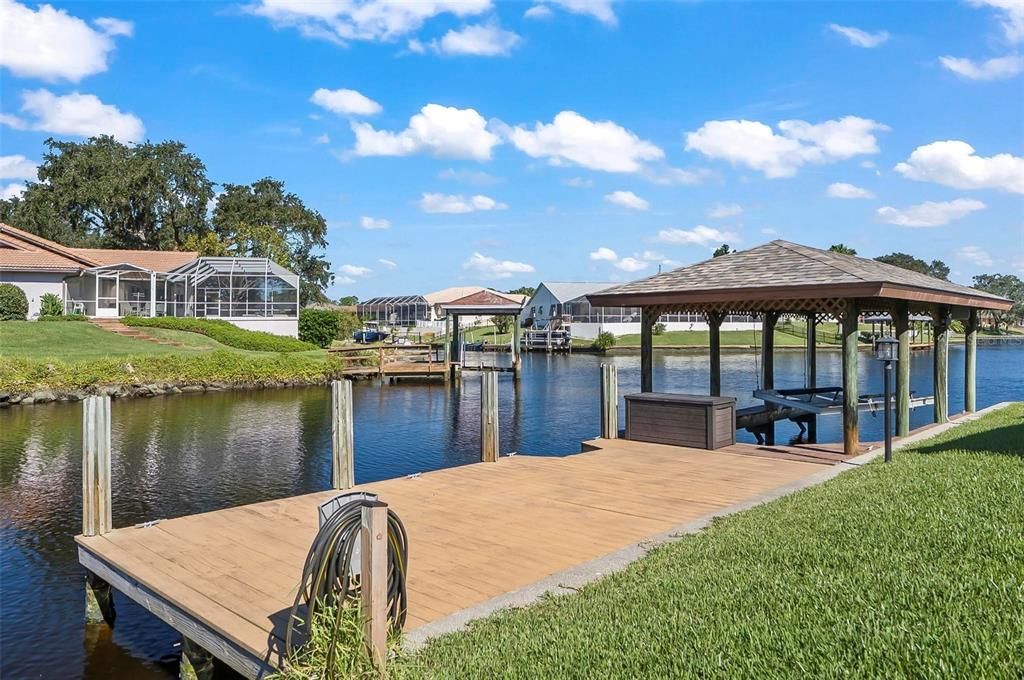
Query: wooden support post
{"x": 96, "y": 513}
{"x": 714, "y": 320}
{"x": 647, "y": 320}
{"x": 851, "y": 395}
{"x": 811, "y": 370}
{"x": 196, "y": 662}
{"x": 380, "y": 360}
{"x": 901, "y": 324}
{"x": 99, "y": 600}
{"x": 768, "y": 366}
{"x": 609, "y": 402}
{"x": 971, "y": 362}
{"x": 373, "y": 575}
{"x": 343, "y": 474}
{"x": 455, "y": 352}
{"x": 488, "y": 416}
{"x": 517, "y": 352}
{"x": 940, "y": 368}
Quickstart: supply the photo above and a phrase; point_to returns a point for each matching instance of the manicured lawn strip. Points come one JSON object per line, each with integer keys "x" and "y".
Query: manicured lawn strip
{"x": 69, "y": 340}
{"x": 224, "y": 332}
{"x": 912, "y": 569}
{"x": 700, "y": 339}
{"x": 180, "y": 368}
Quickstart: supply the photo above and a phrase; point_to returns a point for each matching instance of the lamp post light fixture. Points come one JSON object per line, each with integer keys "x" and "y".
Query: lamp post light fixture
{"x": 887, "y": 351}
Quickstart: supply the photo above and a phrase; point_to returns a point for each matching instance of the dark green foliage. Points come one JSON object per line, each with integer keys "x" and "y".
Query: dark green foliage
{"x": 13, "y": 303}
{"x": 64, "y": 317}
{"x": 318, "y": 326}
{"x": 1007, "y": 286}
{"x": 503, "y": 324}
{"x": 348, "y": 323}
{"x": 605, "y": 340}
{"x": 658, "y": 328}
{"x": 50, "y": 305}
{"x": 842, "y": 249}
{"x": 723, "y": 249}
{"x": 528, "y": 291}
{"x": 936, "y": 268}
{"x": 348, "y": 300}
{"x": 906, "y": 570}
{"x": 224, "y": 333}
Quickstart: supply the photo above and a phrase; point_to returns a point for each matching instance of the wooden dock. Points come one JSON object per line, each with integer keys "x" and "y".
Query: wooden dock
{"x": 227, "y": 579}
{"x": 393, "y": 361}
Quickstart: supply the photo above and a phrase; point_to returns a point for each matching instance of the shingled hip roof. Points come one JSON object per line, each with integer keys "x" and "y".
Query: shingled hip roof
{"x": 784, "y": 270}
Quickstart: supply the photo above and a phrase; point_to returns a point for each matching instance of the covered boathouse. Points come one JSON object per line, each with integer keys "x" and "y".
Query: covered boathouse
{"x": 787, "y": 279}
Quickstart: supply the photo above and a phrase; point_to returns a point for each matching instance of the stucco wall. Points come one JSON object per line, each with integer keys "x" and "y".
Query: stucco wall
{"x": 275, "y": 325}
{"x": 35, "y": 286}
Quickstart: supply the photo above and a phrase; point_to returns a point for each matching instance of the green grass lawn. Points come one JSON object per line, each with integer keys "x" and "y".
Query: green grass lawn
{"x": 913, "y": 569}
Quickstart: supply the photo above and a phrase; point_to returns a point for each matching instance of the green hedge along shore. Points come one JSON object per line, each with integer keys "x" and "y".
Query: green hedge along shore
{"x": 912, "y": 569}
{"x": 223, "y": 332}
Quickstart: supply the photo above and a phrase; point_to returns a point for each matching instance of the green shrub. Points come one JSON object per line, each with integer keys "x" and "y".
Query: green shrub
{"x": 604, "y": 340}
{"x": 13, "y": 303}
{"x": 348, "y": 323}
{"x": 224, "y": 333}
{"x": 50, "y": 305}
{"x": 65, "y": 317}
{"x": 658, "y": 328}
{"x": 318, "y": 326}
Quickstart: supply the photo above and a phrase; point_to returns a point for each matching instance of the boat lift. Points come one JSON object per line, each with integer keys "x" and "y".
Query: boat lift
{"x": 824, "y": 401}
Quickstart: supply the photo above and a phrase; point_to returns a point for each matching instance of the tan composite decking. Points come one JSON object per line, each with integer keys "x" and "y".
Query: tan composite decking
{"x": 475, "y": 532}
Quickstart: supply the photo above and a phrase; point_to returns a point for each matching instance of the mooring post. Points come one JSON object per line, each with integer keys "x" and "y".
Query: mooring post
{"x": 343, "y": 467}
{"x": 196, "y": 663}
{"x": 609, "y": 402}
{"x": 648, "y": 318}
{"x": 714, "y": 320}
{"x": 96, "y": 508}
{"x": 970, "y": 361}
{"x": 851, "y": 394}
{"x": 768, "y": 365}
{"x": 488, "y": 417}
{"x": 517, "y": 352}
{"x": 811, "y": 368}
{"x": 373, "y": 586}
{"x": 940, "y": 366}
{"x": 901, "y": 325}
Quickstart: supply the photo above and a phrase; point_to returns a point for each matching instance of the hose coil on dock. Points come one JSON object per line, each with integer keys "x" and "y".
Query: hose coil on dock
{"x": 330, "y": 576}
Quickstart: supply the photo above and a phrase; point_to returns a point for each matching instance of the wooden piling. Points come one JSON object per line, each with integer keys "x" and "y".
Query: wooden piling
{"x": 373, "y": 585}
{"x": 811, "y": 371}
{"x": 343, "y": 474}
{"x": 488, "y": 417}
{"x": 517, "y": 352}
{"x": 768, "y": 366}
{"x": 714, "y": 320}
{"x": 96, "y": 512}
{"x": 647, "y": 319}
{"x": 609, "y": 402}
{"x": 851, "y": 394}
{"x": 940, "y": 363}
{"x": 971, "y": 361}
{"x": 196, "y": 662}
{"x": 99, "y": 600}
{"x": 901, "y": 325}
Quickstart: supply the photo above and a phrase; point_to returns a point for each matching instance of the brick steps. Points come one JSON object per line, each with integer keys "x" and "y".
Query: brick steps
{"x": 115, "y": 326}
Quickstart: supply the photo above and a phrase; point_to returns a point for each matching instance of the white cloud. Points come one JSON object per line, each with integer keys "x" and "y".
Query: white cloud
{"x": 627, "y": 199}
{"x": 345, "y": 102}
{"x": 699, "y": 235}
{"x": 538, "y": 12}
{"x": 578, "y": 182}
{"x": 846, "y": 190}
{"x": 457, "y": 204}
{"x": 390, "y": 264}
{"x": 604, "y": 254}
{"x": 757, "y": 146}
{"x": 571, "y": 138}
{"x": 342, "y": 21}
{"x": 668, "y": 176}
{"x": 353, "y": 270}
{"x": 53, "y": 45}
{"x": 976, "y": 255}
{"x": 722, "y": 210}
{"x": 993, "y": 69}
{"x": 930, "y": 213}
{"x": 323, "y": 139}
{"x": 481, "y": 40}
{"x": 631, "y": 264}
{"x": 598, "y": 9}
{"x": 1012, "y": 18}
{"x": 11, "y": 191}
{"x": 374, "y": 223}
{"x": 441, "y": 131}
{"x": 17, "y": 167}
{"x": 860, "y": 38}
{"x": 75, "y": 114}
{"x": 955, "y": 164}
{"x": 471, "y": 176}
{"x": 491, "y": 268}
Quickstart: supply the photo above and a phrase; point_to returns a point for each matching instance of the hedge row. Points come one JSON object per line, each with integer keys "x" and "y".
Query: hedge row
{"x": 27, "y": 375}
{"x": 224, "y": 333}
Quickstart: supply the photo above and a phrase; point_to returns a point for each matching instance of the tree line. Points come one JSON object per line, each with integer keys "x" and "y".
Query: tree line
{"x": 157, "y": 196}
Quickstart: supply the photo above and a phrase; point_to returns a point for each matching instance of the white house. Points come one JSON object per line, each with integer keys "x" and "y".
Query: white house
{"x": 566, "y": 303}
{"x": 425, "y": 311}
{"x": 250, "y": 292}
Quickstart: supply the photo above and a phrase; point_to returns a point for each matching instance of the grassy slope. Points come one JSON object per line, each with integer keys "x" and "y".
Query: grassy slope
{"x": 700, "y": 339}
{"x": 909, "y": 569}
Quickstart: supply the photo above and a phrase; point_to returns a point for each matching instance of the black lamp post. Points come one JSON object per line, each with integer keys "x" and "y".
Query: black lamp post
{"x": 887, "y": 351}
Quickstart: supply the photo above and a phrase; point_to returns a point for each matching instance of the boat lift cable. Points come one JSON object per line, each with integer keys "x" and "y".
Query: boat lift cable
{"x": 330, "y": 576}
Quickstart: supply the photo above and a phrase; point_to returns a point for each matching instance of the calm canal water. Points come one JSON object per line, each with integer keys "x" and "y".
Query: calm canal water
{"x": 184, "y": 454}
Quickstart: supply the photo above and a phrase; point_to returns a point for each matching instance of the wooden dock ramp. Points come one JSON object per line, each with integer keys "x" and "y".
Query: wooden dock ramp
{"x": 226, "y": 579}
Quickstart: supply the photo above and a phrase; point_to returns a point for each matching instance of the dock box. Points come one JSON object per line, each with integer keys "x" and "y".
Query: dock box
{"x": 681, "y": 419}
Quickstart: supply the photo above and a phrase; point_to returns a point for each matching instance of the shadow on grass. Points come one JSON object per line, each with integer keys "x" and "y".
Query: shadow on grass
{"x": 1006, "y": 439}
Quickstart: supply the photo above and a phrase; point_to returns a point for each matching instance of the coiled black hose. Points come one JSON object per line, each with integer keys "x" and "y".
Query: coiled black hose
{"x": 327, "y": 579}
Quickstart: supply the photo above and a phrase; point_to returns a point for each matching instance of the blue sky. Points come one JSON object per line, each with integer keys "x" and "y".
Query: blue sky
{"x": 468, "y": 141}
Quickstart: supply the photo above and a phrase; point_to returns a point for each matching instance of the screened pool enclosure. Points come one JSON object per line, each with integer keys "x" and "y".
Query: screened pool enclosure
{"x": 397, "y": 310}
{"x": 207, "y": 287}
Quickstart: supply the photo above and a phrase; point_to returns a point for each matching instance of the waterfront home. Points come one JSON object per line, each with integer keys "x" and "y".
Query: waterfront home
{"x": 250, "y": 292}
{"x": 568, "y": 304}
{"x": 428, "y": 310}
